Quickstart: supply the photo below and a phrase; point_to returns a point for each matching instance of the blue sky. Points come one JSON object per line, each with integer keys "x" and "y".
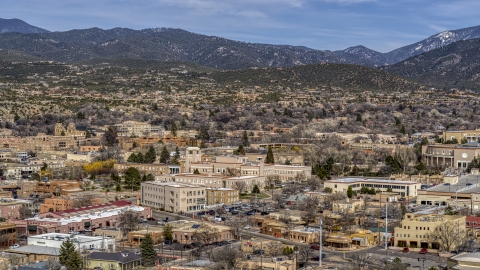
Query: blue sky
{"x": 382, "y": 25}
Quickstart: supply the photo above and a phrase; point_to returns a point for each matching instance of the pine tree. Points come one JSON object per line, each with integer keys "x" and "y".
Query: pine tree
{"x": 245, "y": 139}
{"x": 132, "y": 177}
{"x": 349, "y": 192}
{"x": 140, "y": 158}
{"x": 150, "y": 156}
{"x": 168, "y": 232}
{"x": 256, "y": 190}
{"x": 132, "y": 158}
{"x": 70, "y": 257}
{"x": 270, "y": 159}
{"x": 176, "y": 157}
{"x": 147, "y": 251}
{"x": 174, "y": 129}
{"x": 164, "y": 155}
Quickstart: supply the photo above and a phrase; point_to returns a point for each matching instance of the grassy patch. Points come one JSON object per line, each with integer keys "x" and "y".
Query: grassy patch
{"x": 250, "y": 195}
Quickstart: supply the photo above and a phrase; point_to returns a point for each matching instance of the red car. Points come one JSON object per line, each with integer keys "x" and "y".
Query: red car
{"x": 405, "y": 250}
{"x": 423, "y": 251}
{"x": 316, "y": 247}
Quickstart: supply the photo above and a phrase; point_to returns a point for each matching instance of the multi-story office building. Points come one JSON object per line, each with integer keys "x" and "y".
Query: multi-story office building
{"x": 133, "y": 128}
{"x": 222, "y": 196}
{"x": 149, "y": 168}
{"x": 239, "y": 165}
{"x": 450, "y": 155}
{"x": 173, "y": 196}
{"x": 404, "y": 188}
{"x": 414, "y": 231}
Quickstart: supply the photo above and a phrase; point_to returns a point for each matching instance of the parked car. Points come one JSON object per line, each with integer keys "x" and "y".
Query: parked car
{"x": 151, "y": 218}
{"x": 316, "y": 258}
{"x": 402, "y": 199}
{"x": 168, "y": 242}
{"x": 258, "y": 252}
{"x": 423, "y": 251}
{"x": 247, "y": 227}
{"x": 316, "y": 247}
{"x": 14, "y": 246}
{"x": 405, "y": 250}
{"x": 264, "y": 213}
{"x": 468, "y": 184}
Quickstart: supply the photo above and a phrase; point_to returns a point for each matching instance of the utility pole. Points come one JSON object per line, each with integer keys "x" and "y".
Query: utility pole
{"x": 261, "y": 255}
{"x": 386, "y": 228}
{"x": 320, "y": 244}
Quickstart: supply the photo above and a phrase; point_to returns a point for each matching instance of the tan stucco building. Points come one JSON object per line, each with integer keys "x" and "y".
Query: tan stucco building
{"x": 450, "y": 155}
{"x": 222, "y": 196}
{"x": 173, "y": 196}
{"x": 414, "y": 230}
{"x": 404, "y": 188}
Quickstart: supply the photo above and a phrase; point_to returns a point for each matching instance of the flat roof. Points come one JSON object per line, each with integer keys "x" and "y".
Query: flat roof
{"x": 461, "y": 186}
{"x": 380, "y": 181}
{"x": 467, "y": 257}
{"x": 173, "y": 184}
{"x": 64, "y": 236}
{"x": 33, "y": 249}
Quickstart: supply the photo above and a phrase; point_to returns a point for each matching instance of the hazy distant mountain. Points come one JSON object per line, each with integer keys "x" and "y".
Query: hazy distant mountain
{"x": 364, "y": 56}
{"x": 18, "y": 26}
{"x": 166, "y": 44}
{"x": 455, "y": 65}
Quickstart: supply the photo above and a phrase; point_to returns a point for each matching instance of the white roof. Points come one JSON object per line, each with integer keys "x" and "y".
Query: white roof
{"x": 90, "y": 216}
{"x": 380, "y": 181}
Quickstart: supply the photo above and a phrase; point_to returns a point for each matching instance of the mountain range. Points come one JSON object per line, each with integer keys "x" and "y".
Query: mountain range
{"x": 19, "y": 26}
{"x": 456, "y": 65}
{"x": 167, "y": 44}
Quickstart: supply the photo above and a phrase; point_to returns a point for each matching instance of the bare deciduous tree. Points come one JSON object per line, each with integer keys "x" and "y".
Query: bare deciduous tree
{"x": 83, "y": 200}
{"x": 227, "y": 258}
{"x": 448, "y": 235}
{"x": 238, "y": 224}
{"x": 359, "y": 261}
{"x": 205, "y": 235}
{"x": 274, "y": 248}
{"x": 128, "y": 221}
{"x": 305, "y": 253}
{"x": 240, "y": 185}
{"x": 25, "y": 212}
{"x": 314, "y": 183}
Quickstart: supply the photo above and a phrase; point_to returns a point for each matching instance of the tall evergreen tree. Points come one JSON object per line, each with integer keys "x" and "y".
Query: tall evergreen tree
{"x": 176, "y": 157}
{"x": 164, "y": 155}
{"x": 256, "y": 190}
{"x": 168, "y": 232}
{"x": 132, "y": 177}
{"x": 147, "y": 251}
{"x": 70, "y": 257}
{"x": 132, "y": 158}
{"x": 245, "y": 139}
{"x": 270, "y": 159}
{"x": 150, "y": 156}
{"x": 349, "y": 192}
{"x": 174, "y": 129}
{"x": 140, "y": 158}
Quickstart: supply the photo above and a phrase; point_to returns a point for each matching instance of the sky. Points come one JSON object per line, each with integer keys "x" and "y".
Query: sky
{"x": 381, "y": 25}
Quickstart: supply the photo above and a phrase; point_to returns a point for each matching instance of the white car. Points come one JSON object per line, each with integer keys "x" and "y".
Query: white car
{"x": 15, "y": 246}
{"x": 247, "y": 227}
